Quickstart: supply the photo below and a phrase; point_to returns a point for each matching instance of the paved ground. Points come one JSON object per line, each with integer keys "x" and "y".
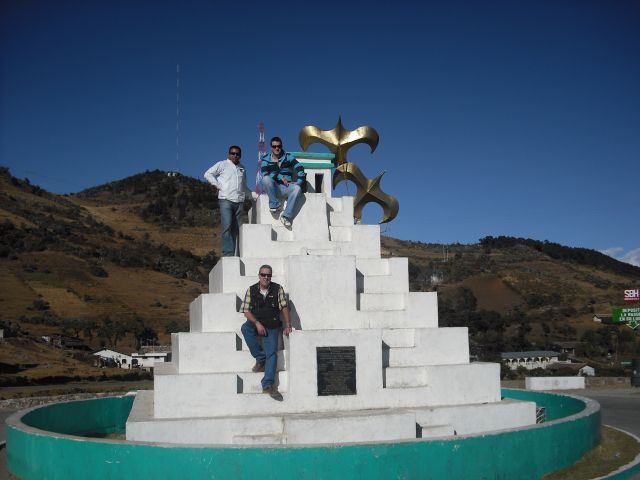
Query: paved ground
{"x": 620, "y": 408}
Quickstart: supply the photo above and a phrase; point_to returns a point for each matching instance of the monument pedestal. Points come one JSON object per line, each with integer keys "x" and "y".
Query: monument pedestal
{"x": 366, "y": 361}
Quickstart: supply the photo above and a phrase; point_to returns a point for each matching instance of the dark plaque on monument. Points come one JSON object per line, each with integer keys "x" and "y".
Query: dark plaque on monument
{"x": 336, "y": 370}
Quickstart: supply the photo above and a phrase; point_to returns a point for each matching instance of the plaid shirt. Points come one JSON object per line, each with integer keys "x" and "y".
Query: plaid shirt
{"x": 246, "y": 304}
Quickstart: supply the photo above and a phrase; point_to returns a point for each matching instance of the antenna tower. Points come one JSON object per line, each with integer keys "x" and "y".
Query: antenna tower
{"x": 262, "y": 149}
{"x": 177, "y": 115}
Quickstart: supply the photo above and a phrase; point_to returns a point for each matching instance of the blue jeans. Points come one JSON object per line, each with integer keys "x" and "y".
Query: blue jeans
{"x": 230, "y": 221}
{"x": 266, "y": 353}
{"x": 275, "y": 190}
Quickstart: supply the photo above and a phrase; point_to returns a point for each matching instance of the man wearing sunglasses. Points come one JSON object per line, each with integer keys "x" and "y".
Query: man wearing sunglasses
{"x": 262, "y": 306}
{"x": 230, "y": 178}
{"x": 277, "y": 170}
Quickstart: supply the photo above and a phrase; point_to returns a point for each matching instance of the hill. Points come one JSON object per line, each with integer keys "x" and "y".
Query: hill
{"x": 522, "y": 294}
{"x": 104, "y": 259}
{"x": 118, "y": 264}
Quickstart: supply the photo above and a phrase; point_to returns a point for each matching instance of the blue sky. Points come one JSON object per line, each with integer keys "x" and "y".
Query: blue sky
{"x": 516, "y": 118}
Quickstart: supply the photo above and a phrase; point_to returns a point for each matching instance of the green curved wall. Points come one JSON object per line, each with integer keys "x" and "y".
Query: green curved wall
{"x": 34, "y": 452}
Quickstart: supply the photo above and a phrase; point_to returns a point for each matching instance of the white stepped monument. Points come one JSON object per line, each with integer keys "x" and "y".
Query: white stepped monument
{"x": 366, "y": 362}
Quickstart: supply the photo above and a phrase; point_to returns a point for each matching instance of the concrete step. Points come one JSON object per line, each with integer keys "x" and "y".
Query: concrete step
{"x": 340, "y": 234}
{"x": 431, "y": 431}
{"x": 399, "y": 337}
{"x": 358, "y": 426}
{"x": 250, "y": 383}
{"x": 275, "y": 439}
{"x": 382, "y": 301}
{"x": 281, "y": 233}
{"x": 382, "y": 284}
{"x": 250, "y": 266}
{"x": 339, "y": 219}
{"x": 373, "y": 266}
{"x": 331, "y": 250}
{"x": 433, "y": 346}
{"x": 231, "y": 362}
{"x": 230, "y": 274}
{"x": 340, "y": 211}
{"x": 166, "y": 368}
{"x": 406, "y": 377}
{"x": 390, "y": 275}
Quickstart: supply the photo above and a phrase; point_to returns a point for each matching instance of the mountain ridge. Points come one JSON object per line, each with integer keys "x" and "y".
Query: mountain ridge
{"x": 137, "y": 251}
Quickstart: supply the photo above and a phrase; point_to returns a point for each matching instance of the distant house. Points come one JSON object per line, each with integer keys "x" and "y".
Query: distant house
{"x": 600, "y": 318}
{"x": 111, "y": 358}
{"x": 567, "y": 347}
{"x": 148, "y": 356}
{"x": 66, "y": 341}
{"x": 582, "y": 369}
{"x": 530, "y": 360}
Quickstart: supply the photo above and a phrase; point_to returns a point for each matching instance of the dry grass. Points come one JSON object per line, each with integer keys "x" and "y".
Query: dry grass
{"x": 15, "y": 294}
{"x": 198, "y": 240}
{"x": 16, "y": 220}
{"x": 616, "y": 450}
{"x": 73, "y": 293}
{"x": 493, "y": 294}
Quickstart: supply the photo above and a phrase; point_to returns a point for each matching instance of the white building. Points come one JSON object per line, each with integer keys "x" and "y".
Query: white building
{"x": 121, "y": 360}
{"x": 147, "y": 359}
{"x": 579, "y": 369}
{"x": 530, "y": 360}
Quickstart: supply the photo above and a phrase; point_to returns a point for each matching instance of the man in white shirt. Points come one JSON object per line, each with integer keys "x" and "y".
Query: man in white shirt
{"x": 230, "y": 178}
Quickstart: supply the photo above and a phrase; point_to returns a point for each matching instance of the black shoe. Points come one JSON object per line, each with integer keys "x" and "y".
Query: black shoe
{"x": 258, "y": 367}
{"x": 273, "y": 392}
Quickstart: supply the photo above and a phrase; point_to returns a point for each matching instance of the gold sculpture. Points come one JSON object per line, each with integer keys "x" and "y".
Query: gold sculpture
{"x": 338, "y": 140}
{"x": 368, "y": 191}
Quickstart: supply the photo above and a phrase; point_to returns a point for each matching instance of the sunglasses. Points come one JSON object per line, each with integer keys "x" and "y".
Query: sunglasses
{"x": 266, "y": 275}
{"x": 276, "y": 146}
{"x": 237, "y": 154}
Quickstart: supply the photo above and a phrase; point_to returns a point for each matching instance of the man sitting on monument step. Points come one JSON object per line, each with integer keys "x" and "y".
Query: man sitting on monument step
{"x": 277, "y": 170}
{"x": 263, "y": 303}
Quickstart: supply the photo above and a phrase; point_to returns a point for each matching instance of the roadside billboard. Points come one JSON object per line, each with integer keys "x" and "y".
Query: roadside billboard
{"x": 632, "y": 295}
{"x": 630, "y": 316}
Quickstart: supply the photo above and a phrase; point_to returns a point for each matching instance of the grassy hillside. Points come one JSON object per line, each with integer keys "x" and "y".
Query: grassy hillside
{"x": 514, "y": 294}
{"x": 118, "y": 264}
{"x": 81, "y": 264}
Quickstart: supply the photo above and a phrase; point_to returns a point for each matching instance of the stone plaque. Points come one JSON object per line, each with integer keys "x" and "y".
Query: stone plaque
{"x": 336, "y": 370}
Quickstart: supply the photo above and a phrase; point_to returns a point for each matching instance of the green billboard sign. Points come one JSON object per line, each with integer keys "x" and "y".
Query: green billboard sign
{"x": 630, "y": 316}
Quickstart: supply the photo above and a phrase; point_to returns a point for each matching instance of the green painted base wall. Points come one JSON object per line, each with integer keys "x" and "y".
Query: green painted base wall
{"x": 33, "y": 453}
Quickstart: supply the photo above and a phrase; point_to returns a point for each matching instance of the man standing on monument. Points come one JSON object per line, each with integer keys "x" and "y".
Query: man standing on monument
{"x": 262, "y": 306}
{"x": 230, "y": 178}
{"x": 277, "y": 169}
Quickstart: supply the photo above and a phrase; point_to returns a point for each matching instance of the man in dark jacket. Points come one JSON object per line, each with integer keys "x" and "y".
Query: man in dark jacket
{"x": 263, "y": 303}
{"x": 277, "y": 170}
